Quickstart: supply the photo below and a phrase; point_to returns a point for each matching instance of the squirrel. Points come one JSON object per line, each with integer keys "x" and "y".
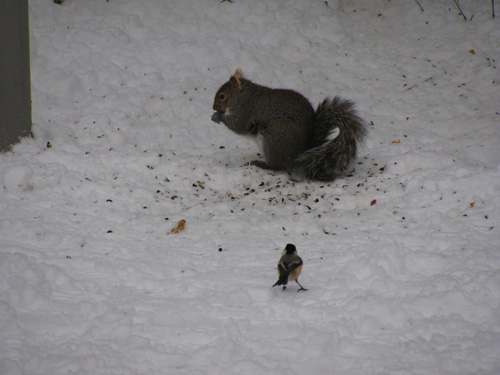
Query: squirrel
{"x": 323, "y": 142}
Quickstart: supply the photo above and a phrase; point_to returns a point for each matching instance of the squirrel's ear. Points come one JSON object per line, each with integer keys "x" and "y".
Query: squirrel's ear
{"x": 238, "y": 74}
{"x": 234, "y": 81}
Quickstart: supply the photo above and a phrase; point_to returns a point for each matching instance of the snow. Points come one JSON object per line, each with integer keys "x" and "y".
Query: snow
{"x": 401, "y": 258}
{"x": 17, "y": 178}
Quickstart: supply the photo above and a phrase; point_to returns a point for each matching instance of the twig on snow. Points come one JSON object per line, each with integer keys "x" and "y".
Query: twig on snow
{"x": 422, "y": 9}
{"x": 460, "y": 9}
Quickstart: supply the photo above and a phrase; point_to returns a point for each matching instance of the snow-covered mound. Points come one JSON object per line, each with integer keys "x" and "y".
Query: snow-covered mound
{"x": 401, "y": 257}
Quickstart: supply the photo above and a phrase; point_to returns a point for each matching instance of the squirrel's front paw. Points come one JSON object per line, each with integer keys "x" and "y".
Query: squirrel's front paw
{"x": 218, "y": 117}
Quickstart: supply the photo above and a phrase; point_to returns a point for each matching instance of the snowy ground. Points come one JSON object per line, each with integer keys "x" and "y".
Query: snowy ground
{"x": 402, "y": 259}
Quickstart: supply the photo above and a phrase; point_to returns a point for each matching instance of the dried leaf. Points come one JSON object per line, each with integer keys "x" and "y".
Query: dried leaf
{"x": 180, "y": 227}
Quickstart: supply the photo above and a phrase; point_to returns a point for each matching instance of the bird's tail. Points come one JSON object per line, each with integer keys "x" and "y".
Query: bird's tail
{"x": 338, "y": 130}
{"x": 283, "y": 279}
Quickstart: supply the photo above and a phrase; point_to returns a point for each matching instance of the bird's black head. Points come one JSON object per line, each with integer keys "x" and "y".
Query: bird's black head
{"x": 290, "y": 248}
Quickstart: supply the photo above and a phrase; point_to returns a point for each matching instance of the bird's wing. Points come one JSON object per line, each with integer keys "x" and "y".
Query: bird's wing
{"x": 290, "y": 266}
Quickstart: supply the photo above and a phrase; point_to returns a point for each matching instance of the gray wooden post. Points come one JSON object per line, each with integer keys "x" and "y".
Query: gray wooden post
{"x": 15, "y": 83}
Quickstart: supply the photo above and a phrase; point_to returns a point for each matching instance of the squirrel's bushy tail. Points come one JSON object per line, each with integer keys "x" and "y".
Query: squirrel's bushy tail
{"x": 338, "y": 130}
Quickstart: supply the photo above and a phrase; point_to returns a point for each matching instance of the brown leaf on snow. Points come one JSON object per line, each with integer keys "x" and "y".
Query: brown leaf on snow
{"x": 180, "y": 227}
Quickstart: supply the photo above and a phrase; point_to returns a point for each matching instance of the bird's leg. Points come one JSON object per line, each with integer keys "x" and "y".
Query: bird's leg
{"x": 284, "y": 287}
{"x": 301, "y": 287}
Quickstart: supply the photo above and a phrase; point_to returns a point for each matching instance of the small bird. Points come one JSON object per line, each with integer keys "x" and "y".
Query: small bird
{"x": 289, "y": 267}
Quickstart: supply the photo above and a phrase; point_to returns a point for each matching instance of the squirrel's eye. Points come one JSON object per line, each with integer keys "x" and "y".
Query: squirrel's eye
{"x": 222, "y": 96}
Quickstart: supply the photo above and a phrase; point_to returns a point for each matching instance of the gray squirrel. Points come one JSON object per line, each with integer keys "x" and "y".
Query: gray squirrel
{"x": 291, "y": 133}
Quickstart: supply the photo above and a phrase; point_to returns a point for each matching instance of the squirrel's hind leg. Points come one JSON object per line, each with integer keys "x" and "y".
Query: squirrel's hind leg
{"x": 262, "y": 164}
